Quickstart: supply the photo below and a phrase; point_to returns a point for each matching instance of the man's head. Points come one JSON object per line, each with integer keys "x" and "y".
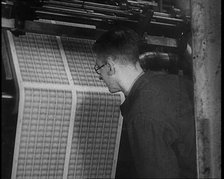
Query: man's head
{"x": 117, "y": 53}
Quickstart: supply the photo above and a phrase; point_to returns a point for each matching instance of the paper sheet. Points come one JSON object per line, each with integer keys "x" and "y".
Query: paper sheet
{"x": 68, "y": 125}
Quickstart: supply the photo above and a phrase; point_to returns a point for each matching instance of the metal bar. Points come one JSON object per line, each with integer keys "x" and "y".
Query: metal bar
{"x": 163, "y": 14}
{"x": 87, "y": 17}
{"x": 160, "y": 54}
{"x": 89, "y": 3}
{"x": 19, "y": 104}
{"x": 5, "y": 58}
{"x": 162, "y": 24}
{"x": 161, "y": 41}
{"x": 143, "y": 3}
{"x": 6, "y": 96}
{"x": 206, "y": 45}
{"x": 61, "y": 30}
{"x": 169, "y": 19}
{"x": 87, "y": 7}
{"x": 79, "y": 13}
{"x": 69, "y": 19}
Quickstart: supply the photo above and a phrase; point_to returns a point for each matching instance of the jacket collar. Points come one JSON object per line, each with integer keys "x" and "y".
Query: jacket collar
{"x": 125, "y": 106}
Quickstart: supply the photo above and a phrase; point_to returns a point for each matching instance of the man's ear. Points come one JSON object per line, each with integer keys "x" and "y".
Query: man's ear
{"x": 111, "y": 66}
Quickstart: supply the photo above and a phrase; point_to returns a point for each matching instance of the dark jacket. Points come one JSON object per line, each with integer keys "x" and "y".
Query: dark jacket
{"x": 159, "y": 116}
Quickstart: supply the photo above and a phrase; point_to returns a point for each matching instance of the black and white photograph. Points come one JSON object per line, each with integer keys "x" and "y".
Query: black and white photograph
{"x": 111, "y": 89}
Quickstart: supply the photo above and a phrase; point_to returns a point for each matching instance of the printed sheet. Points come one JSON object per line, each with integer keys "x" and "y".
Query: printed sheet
{"x": 69, "y": 125}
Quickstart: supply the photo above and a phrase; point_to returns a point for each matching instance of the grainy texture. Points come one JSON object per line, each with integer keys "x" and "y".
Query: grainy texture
{"x": 206, "y": 43}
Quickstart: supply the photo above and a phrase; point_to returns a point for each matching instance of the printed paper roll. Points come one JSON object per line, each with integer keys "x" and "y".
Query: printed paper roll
{"x": 68, "y": 125}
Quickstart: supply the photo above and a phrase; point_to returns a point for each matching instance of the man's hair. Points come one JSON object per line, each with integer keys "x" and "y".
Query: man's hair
{"x": 118, "y": 42}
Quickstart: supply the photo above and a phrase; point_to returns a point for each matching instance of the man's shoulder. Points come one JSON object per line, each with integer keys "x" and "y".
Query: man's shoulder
{"x": 153, "y": 81}
{"x": 156, "y": 86}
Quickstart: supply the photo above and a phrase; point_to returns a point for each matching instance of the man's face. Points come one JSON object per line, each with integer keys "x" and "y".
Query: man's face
{"x": 103, "y": 69}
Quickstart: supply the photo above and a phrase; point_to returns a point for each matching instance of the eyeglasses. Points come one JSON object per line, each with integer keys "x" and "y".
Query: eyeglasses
{"x": 96, "y": 68}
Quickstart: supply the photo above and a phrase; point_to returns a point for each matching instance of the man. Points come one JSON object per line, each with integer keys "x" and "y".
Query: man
{"x": 157, "y": 111}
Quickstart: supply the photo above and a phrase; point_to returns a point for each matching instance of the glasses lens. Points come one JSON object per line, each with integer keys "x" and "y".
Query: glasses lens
{"x": 96, "y": 68}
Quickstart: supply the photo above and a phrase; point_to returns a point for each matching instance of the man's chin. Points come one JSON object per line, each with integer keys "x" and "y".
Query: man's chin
{"x": 114, "y": 90}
